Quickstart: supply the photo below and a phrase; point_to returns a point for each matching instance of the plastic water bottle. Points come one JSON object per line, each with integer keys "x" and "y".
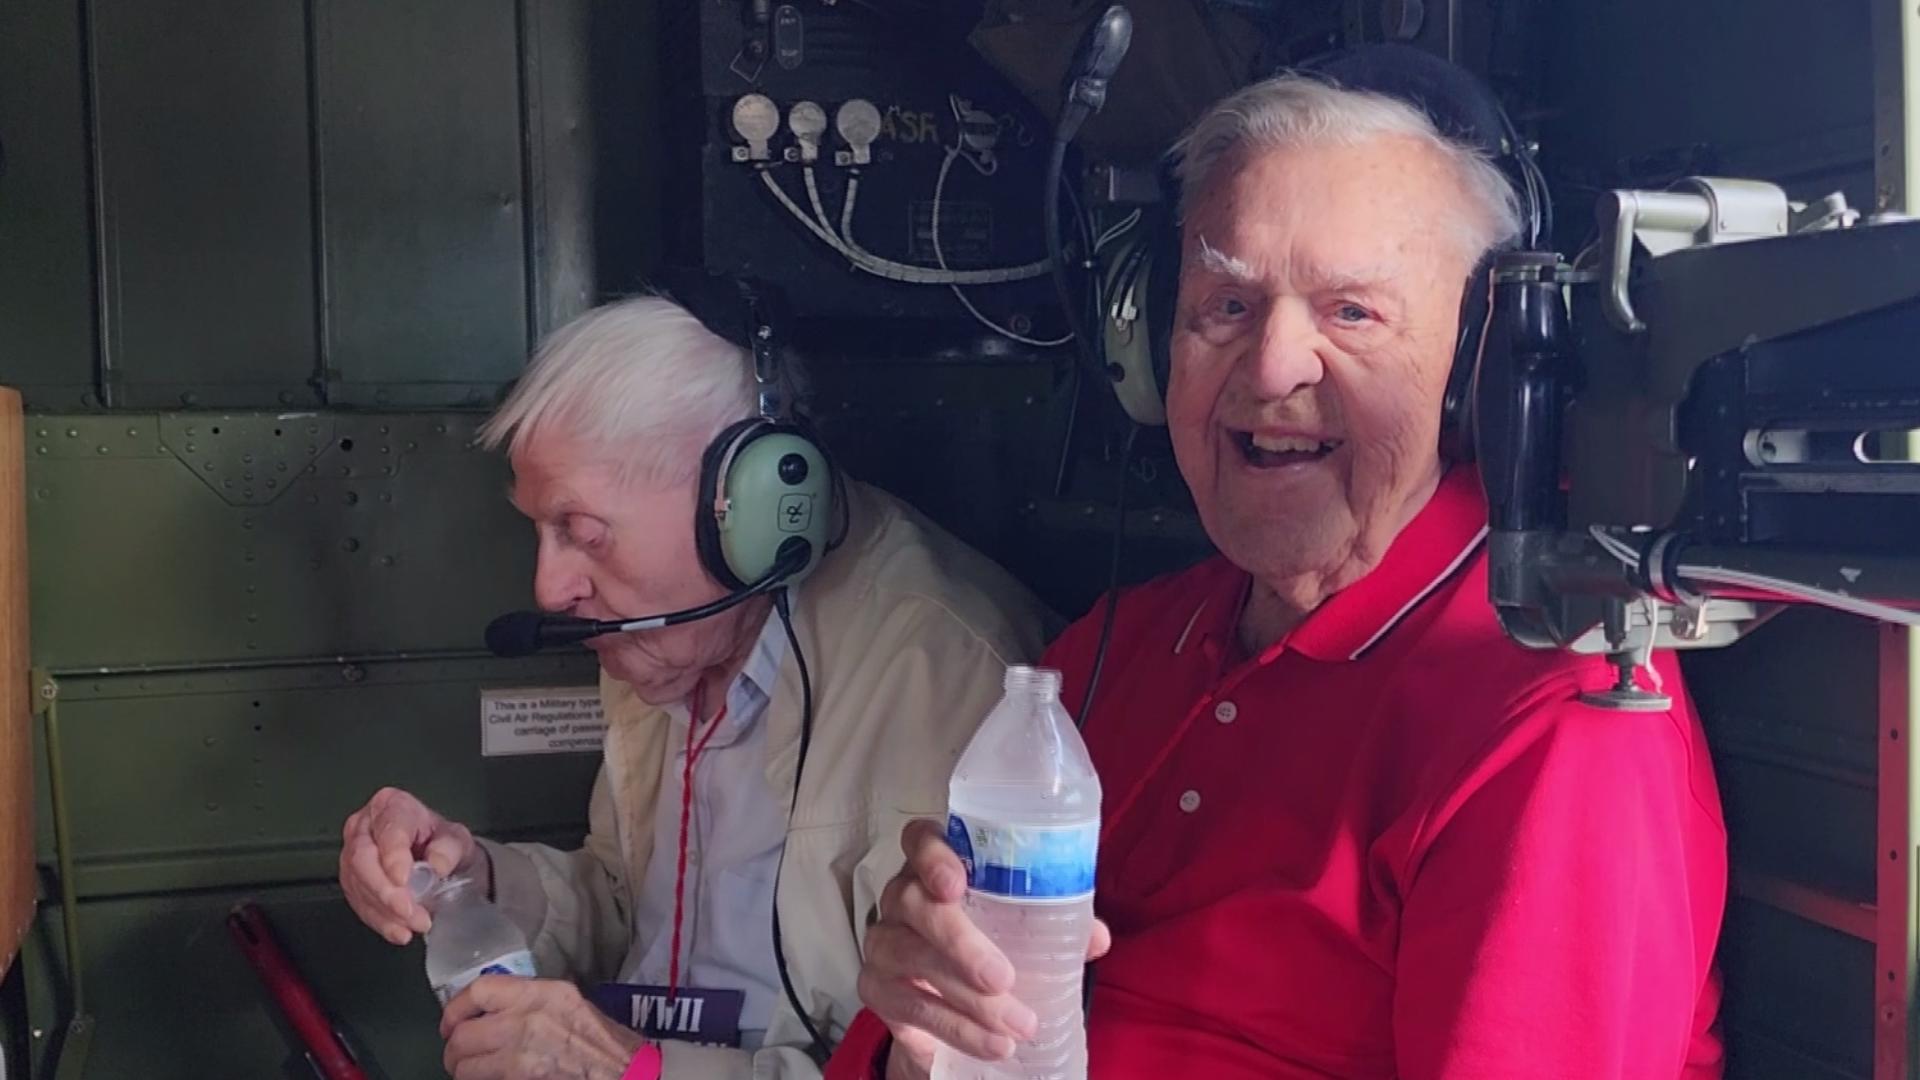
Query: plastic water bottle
{"x": 1024, "y": 816}
{"x": 469, "y": 937}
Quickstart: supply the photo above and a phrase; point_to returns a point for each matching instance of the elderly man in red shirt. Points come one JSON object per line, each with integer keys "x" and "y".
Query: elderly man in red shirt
{"x": 1349, "y": 829}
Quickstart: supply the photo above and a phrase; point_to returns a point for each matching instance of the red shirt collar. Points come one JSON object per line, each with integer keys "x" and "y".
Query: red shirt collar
{"x": 1439, "y": 540}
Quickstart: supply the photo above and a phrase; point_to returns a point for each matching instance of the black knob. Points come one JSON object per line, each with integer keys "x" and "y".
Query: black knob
{"x": 793, "y": 470}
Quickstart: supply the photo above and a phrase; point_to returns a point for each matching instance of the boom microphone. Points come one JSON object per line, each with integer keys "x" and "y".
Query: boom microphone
{"x": 523, "y": 633}
{"x": 1094, "y": 62}
{"x": 1101, "y": 49}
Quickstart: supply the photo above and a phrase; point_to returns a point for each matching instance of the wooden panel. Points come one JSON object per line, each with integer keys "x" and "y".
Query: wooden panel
{"x": 16, "y": 787}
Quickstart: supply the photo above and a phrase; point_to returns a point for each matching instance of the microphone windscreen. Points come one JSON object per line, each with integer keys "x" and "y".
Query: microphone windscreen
{"x": 1101, "y": 48}
{"x": 515, "y": 634}
{"x": 1105, "y": 44}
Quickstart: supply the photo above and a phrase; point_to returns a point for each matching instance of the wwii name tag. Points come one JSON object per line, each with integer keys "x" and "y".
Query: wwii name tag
{"x": 695, "y": 1015}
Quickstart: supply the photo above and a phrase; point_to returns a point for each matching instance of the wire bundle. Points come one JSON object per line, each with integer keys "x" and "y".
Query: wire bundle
{"x": 1777, "y": 588}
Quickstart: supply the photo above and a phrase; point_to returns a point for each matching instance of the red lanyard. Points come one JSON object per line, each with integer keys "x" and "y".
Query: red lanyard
{"x": 695, "y": 707}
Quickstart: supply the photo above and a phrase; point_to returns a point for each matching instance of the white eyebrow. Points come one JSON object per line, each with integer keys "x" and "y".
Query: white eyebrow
{"x": 1221, "y": 263}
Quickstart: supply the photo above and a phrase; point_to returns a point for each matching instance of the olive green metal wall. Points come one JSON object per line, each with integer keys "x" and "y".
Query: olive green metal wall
{"x": 263, "y": 266}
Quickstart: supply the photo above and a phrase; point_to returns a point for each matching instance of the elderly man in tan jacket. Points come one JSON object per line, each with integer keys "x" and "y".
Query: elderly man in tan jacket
{"x": 906, "y": 634}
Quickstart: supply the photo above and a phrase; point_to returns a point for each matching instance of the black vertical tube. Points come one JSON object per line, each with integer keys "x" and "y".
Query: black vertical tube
{"x": 1517, "y": 399}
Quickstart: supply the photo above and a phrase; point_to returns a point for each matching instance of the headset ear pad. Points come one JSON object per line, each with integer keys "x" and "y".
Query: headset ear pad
{"x": 1456, "y": 409}
{"x": 1163, "y": 292}
{"x": 773, "y": 486}
{"x": 710, "y": 493}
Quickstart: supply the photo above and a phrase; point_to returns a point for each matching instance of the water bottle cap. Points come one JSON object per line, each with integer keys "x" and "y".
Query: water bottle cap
{"x": 428, "y": 887}
{"x": 423, "y": 882}
{"x": 1039, "y": 682}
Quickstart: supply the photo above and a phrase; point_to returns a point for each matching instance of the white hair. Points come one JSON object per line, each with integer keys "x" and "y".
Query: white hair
{"x": 1295, "y": 110}
{"x": 640, "y": 380}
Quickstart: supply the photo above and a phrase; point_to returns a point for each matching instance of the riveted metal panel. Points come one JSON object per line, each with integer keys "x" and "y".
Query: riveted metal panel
{"x": 249, "y": 459}
{"x": 218, "y": 778}
{"x": 420, "y": 158}
{"x": 46, "y": 281}
{"x": 173, "y": 998}
{"x": 265, "y": 536}
{"x": 201, "y": 114}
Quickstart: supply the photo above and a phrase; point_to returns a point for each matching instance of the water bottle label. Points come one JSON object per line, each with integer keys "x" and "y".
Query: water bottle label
{"x": 1049, "y": 862}
{"x": 519, "y": 962}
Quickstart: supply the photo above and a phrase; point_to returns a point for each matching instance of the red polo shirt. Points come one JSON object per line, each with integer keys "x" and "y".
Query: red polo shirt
{"x": 1394, "y": 844}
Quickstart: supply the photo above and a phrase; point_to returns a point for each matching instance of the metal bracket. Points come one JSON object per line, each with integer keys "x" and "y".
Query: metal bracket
{"x": 1697, "y": 210}
{"x": 756, "y": 120}
{"x": 808, "y": 123}
{"x": 72, "y": 1052}
{"x": 858, "y": 123}
{"x": 1632, "y": 652}
{"x": 1690, "y": 619}
{"x": 1831, "y": 212}
{"x": 250, "y": 459}
{"x": 46, "y": 690}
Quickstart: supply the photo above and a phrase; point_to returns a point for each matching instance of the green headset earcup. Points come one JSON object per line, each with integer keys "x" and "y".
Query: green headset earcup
{"x": 778, "y": 487}
{"x": 1139, "y": 281}
{"x": 1127, "y": 331}
{"x": 1456, "y": 409}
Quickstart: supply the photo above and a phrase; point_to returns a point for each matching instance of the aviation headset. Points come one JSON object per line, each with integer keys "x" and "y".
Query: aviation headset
{"x": 767, "y": 486}
{"x": 769, "y": 497}
{"x": 1140, "y": 281}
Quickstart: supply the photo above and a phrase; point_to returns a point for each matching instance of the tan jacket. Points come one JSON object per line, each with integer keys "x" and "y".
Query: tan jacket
{"x": 907, "y": 634}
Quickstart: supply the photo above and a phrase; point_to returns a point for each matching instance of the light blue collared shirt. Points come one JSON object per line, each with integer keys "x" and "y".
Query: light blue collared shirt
{"x": 734, "y": 839}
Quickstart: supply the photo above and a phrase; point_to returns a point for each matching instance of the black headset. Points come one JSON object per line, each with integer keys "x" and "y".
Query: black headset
{"x": 767, "y": 485}
{"x": 1141, "y": 280}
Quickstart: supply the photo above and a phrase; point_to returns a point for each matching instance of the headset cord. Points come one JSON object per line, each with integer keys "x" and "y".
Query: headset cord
{"x": 1084, "y": 347}
{"x": 819, "y": 1049}
{"x": 1066, "y": 439}
{"x": 1106, "y": 637}
{"x": 1113, "y": 577}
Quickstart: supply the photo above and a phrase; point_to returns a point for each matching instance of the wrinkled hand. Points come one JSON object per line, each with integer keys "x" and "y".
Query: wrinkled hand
{"x": 931, "y": 974}
{"x": 502, "y": 1027}
{"x": 382, "y": 840}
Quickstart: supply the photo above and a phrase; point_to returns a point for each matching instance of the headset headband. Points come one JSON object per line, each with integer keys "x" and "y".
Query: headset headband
{"x": 747, "y": 313}
{"x": 763, "y": 340}
{"x": 1461, "y": 106}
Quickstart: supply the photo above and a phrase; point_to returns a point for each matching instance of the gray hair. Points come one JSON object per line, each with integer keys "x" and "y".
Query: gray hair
{"x": 1295, "y": 110}
{"x": 641, "y": 379}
